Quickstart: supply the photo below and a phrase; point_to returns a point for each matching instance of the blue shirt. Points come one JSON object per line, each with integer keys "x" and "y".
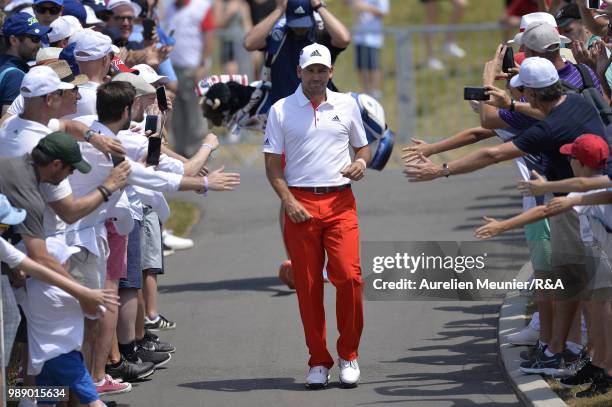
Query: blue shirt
{"x": 11, "y": 83}
{"x": 568, "y": 74}
{"x": 565, "y": 123}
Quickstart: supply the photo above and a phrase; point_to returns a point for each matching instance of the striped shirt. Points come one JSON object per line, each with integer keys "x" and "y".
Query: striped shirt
{"x": 568, "y": 74}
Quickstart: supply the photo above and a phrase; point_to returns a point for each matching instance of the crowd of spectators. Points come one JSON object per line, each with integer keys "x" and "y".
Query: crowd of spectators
{"x": 552, "y": 115}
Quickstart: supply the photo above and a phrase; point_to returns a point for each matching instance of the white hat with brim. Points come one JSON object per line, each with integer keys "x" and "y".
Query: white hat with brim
{"x": 149, "y": 75}
{"x": 535, "y": 73}
{"x": 92, "y": 19}
{"x": 142, "y": 87}
{"x": 16, "y": 3}
{"x": 536, "y": 17}
{"x": 116, "y": 3}
{"x": 315, "y": 54}
{"x": 41, "y": 81}
{"x": 48, "y": 54}
{"x": 60, "y": 28}
{"x": 92, "y": 45}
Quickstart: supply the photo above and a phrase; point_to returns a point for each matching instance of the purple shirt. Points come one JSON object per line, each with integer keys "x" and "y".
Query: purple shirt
{"x": 568, "y": 74}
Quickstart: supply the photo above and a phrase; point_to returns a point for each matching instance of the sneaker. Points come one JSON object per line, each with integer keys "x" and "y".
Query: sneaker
{"x": 111, "y": 386}
{"x": 586, "y": 375}
{"x": 149, "y": 343}
{"x": 285, "y": 274}
{"x": 168, "y": 251}
{"x": 532, "y": 352}
{"x": 452, "y": 49}
{"x": 175, "y": 242}
{"x": 318, "y": 378}
{"x": 157, "y": 358}
{"x": 570, "y": 357}
{"x": 349, "y": 373}
{"x": 546, "y": 365}
{"x": 162, "y": 324}
{"x": 435, "y": 64}
{"x": 601, "y": 385}
{"x": 131, "y": 370}
{"x": 527, "y": 336}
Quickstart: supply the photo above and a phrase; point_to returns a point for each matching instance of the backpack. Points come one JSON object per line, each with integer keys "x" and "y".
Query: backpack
{"x": 590, "y": 93}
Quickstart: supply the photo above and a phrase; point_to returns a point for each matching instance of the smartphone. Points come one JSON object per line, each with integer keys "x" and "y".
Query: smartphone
{"x": 162, "y": 102}
{"x": 154, "y": 150}
{"x": 151, "y": 122}
{"x": 592, "y": 4}
{"x": 473, "y": 93}
{"x": 508, "y": 60}
{"x": 148, "y": 25}
{"x": 117, "y": 160}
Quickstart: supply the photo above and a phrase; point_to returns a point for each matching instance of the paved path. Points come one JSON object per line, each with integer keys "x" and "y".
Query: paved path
{"x": 239, "y": 338}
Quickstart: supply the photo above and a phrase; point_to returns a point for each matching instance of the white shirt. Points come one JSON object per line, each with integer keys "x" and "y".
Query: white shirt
{"x": 368, "y": 29}
{"x": 86, "y": 105}
{"x": 315, "y": 142}
{"x": 594, "y": 219}
{"x": 187, "y": 23}
{"x": 55, "y": 322}
{"x": 18, "y": 137}
{"x": 9, "y": 254}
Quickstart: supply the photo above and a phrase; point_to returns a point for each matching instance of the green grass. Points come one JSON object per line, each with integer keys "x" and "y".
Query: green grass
{"x": 568, "y": 395}
{"x": 183, "y": 216}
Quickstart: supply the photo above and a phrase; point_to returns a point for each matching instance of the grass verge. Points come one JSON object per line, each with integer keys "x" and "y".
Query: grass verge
{"x": 183, "y": 216}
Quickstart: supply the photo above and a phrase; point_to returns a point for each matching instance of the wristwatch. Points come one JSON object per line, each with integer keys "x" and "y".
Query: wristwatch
{"x": 445, "y": 170}
{"x": 318, "y": 6}
{"x": 89, "y": 134}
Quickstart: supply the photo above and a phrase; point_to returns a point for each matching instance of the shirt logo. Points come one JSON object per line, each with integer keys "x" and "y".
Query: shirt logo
{"x": 315, "y": 53}
{"x": 336, "y": 119}
{"x": 266, "y": 142}
{"x": 299, "y": 10}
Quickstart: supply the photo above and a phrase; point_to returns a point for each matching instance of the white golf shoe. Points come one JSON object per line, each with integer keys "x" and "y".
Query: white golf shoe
{"x": 527, "y": 336}
{"x": 175, "y": 242}
{"x": 318, "y": 377}
{"x": 349, "y": 373}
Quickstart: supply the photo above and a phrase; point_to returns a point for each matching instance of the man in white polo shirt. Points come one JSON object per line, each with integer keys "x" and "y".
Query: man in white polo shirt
{"x": 313, "y": 128}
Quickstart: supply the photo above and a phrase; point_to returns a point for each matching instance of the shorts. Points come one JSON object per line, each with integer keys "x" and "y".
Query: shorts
{"x": 367, "y": 58}
{"x": 537, "y": 235}
{"x": 228, "y": 51}
{"x": 133, "y": 278}
{"x": 598, "y": 268}
{"x": 567, "y": 255}
{"x": 68, "y": 370}
{"x": 83, "y": 266}
{"x": 116, "y": 266}
{"x": 151, "y": 250}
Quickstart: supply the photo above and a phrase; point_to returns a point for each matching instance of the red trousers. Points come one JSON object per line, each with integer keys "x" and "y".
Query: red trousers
{"x": 333, "y": 230}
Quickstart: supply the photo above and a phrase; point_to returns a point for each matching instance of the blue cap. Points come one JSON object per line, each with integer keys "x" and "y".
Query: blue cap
{"x": 58, "y": 2}
{"x": 23, "y": 24}
{"x": 67, "y": 55}
{"x": 72, "y": 8}
{"x": 96, "y": 5}
{"x": 299, "y": 14}
{"x": 10, "y": 215}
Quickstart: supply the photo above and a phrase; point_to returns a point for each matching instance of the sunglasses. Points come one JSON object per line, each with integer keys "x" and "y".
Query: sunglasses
{"x": 32, "y": 38}
{"x": 121, "y": 18}
{"x": 54, "y": 10}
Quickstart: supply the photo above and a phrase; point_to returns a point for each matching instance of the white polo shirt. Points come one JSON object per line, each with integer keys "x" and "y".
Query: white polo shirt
{"x": 315, "y": 141}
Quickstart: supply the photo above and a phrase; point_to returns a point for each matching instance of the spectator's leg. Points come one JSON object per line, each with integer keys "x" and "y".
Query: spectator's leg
{"x": 127, "y": 317}
{"x": 431, "y": 18}
{"x": 149, "y": 290}
{"x": 375, "y": 72}
{"x": 456, "y": 16}
{"x": 139, "y": 327}
{"x": 107, "y": 330}
{"x": 596, "y": 332}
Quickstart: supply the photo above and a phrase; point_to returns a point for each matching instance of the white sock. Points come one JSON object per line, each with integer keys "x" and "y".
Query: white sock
{"x": 100, "y": 383}
{"x": 544, "y": 344}
{"x": 573, "y": 347}
{"x": 548, "y": 353}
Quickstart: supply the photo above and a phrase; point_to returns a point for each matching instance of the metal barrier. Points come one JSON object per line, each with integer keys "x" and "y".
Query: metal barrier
{"x": 419, "y": 102}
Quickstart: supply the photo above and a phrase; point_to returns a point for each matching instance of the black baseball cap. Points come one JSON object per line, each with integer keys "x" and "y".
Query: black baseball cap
{"x": 567, "y": 14}
{"x": 63, "y": 147}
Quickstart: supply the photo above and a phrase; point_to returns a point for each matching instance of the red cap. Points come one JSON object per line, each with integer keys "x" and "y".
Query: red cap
{"x": 519, "y": 57}
{"x": 591, "y": 150}
{"x": 119, "y": 66}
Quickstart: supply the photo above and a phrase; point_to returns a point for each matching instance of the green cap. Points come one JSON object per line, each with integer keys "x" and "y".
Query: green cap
{"x": 63, "y": 147}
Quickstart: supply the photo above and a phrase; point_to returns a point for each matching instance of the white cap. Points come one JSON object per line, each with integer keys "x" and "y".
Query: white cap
{"x": 535, "y": 73}
{"x": 74, "y": 22}
{"x": 60, "y": 28}
{"x": 533, "y": 18}
{"x": 91, "y": 17}
{"x": 92, "y": 45}
{"x": 16, "y": 3}
{"x": 46, "y": 54}
{"x": 40, "y": 81}
{"x": 149, "y": 75}
{"x": 116, "y": 3}
{"x": 315, "y": 54}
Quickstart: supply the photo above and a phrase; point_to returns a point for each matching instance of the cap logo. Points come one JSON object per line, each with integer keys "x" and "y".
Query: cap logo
{"x": 315, "y": 53}
{"x": 299, "y": 10}
{"x": 32, "y": 21}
